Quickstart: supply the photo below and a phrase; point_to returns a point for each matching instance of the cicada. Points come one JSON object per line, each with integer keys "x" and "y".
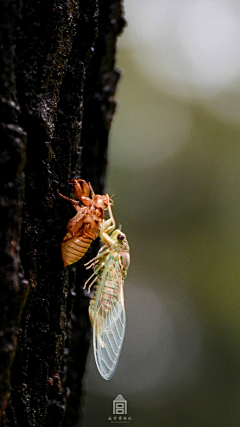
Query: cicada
{"x": 85, "y": 225}
{"x": 106, "y": 309}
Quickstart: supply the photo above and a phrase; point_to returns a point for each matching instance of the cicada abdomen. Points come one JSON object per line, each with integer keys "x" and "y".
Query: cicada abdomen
{"x": 106, "y": 309}
{"x": 75, "y": 244}
{"x": 84, "y": 227}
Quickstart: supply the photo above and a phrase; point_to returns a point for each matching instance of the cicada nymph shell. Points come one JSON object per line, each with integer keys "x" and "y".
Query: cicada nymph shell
{"x": 84, "y": 227}
{"x": 106, "y": 309}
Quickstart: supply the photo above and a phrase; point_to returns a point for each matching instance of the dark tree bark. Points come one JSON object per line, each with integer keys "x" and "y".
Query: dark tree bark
{"x": 57, "y": 84}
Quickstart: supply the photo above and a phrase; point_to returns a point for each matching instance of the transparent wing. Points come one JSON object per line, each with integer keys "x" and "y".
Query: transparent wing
{"x": 110, "y": 321}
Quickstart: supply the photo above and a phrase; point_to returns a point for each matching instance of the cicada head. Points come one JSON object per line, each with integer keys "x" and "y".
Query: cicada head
{"x": 120, "y": 240}
{"x": 118, "y": 235}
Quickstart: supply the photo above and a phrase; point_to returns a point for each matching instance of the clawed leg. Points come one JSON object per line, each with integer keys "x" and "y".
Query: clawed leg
{"x": 91, "y": 190}
{"x": 81, "y": 188}
{"x": 94, "y": 280}
{"x": 74, "y": 202}
{"x": 95, "y": 260}
{"x": 92, "y": 275}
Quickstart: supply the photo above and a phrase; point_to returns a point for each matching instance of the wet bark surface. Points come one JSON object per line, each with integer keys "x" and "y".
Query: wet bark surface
{"x": 57, "y": 86}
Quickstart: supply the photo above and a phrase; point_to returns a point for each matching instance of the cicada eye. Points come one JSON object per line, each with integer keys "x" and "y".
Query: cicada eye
{"x": 121, "y": 236}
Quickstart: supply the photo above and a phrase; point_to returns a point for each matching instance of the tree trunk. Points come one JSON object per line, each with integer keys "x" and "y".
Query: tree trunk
{"x": 57, "y": 83}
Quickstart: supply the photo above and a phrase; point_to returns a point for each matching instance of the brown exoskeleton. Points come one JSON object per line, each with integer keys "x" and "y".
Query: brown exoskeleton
{"x": 85, "y": 225}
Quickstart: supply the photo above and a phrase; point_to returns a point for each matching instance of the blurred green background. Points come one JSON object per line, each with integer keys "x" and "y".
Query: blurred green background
{"x": 174, "y": 167}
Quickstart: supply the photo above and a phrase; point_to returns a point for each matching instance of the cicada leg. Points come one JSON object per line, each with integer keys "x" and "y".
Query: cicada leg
{"x": 92, "y": 275}
{"x": 107, "y": 225}
{"x": 95, "y": 260}
{"x": 94, "y": 280}
{"x": 74, "y": 202}
{"x": 91, "y": 189}
{"x": 82, "y": 189}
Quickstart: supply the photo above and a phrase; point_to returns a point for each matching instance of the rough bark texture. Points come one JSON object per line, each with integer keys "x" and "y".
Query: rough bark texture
{"x": 57, "y": 84}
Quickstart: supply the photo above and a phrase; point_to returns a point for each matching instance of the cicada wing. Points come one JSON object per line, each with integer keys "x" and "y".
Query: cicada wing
{"x": 107, "y": 345}
{"x": 109, "y": 329}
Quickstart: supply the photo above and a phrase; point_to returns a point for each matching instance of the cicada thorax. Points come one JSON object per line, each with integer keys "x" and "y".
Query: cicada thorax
{"x": 84, "y": 227}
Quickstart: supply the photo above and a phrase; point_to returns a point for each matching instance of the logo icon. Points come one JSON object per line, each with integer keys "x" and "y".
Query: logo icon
{"x": 119, "y": 411}
{"x": 120, "y": 405}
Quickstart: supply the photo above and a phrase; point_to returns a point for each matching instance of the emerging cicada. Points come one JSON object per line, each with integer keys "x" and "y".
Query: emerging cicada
{"x": 85, "y": 225}
{"x": 106, "y": 309}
